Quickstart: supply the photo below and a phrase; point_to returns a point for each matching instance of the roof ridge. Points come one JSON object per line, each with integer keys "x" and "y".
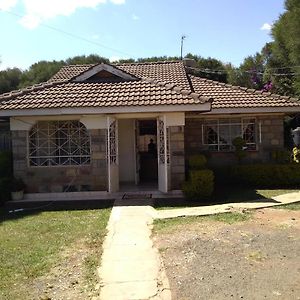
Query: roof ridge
{"x": 178, "y": 89}
{"x": 32, "y": 88}
{"x": 246, "y": 89}
{"x": 149, "y": 62}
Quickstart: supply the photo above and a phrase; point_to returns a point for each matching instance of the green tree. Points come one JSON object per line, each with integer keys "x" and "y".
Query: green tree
{"x": 10, "y": 79}
{"x": 285, "y": 58}
{"x": 40, "y": 72}
{"x": 83, "y": 59}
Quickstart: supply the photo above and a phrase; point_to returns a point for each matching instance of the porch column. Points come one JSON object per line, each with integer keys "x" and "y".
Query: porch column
{"x": 175, "y": 123}
{"x": 177, "y": 157}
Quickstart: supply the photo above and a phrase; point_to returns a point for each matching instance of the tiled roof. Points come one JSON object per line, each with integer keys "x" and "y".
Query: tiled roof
{"x": 70, "y": 94}
{"x": 70, "y": 71}
{"x": 169, "y": 71}
{"x": 229, "y": 96}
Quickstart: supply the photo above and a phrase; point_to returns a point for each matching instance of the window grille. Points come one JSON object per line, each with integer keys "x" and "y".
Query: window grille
{"x": 113, "y": 150}
{"x": 218, "y": 134}
{"x": 59, "y": 143}
{"x": 162, "y": 138}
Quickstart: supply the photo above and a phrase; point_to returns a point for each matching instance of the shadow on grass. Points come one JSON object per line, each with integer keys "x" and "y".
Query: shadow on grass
{"x": 12, "y": 211}
{"x": 222, "y": 194}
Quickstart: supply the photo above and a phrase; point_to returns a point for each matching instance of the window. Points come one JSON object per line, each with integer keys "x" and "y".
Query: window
{"x": 218, "y": 134}
{"x": 59, "y": 143}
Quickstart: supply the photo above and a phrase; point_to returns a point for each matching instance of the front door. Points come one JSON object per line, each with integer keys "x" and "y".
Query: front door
{"x": 112, "y": 155}
{"x": 163, "y": 154}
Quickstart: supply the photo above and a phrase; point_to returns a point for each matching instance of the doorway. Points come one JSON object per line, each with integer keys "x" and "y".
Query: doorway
{"x": 146, "y": 151}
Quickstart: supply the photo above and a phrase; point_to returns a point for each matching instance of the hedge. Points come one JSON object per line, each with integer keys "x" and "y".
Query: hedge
{"x": 267, "y": 175}
{"x": 200, "y": 185}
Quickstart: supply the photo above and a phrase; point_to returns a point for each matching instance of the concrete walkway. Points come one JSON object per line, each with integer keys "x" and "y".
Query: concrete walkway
{"x": 131, "y": 267}
{"x": 227, "y": 207}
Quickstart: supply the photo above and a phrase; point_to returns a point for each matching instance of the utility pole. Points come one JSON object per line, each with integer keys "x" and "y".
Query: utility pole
{"x": 182, "y": 39}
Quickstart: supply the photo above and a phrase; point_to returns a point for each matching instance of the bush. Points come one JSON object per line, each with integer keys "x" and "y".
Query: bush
{"x": 200, "y": 186}
{"x": 197, "y": 162}
{"x": 267, "y": 175}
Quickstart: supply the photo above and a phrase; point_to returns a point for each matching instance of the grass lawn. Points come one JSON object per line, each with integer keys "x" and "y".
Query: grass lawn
{"x": 171, "y": 224}
{"x": 292, "y": 206}
{"x": 31, "y": 245}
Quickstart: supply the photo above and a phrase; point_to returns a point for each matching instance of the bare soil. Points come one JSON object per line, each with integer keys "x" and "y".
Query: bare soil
{"x": 254, "y": 259}
{"x": 67, "y": 280}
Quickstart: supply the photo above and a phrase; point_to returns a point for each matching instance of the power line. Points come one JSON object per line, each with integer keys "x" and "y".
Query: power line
{"x": 220, "y": 72}
{"x": 74, "y": 35}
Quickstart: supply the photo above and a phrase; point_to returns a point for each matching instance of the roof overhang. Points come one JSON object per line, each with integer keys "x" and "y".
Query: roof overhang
{"x": 223, "y": 111}
{"x": 204, "y": 107}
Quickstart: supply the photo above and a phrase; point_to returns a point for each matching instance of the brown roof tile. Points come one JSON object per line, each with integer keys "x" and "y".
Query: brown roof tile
{"x": 169, "y": 71}
{"x": 228, "y": 96}
{"x": 71, "y": 94}
{"x": 70, "y": 71}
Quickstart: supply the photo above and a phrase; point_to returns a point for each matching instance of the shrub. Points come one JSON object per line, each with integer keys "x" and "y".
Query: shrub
{"x": 200, "y": 185}
{"x": 17, "y": 185}
{"x": 239, "y": 145}
{"x": 197, "y": 162}
{"x": 267, "y": 175}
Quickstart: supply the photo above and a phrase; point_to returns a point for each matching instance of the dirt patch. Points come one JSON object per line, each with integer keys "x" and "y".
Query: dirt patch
{"x": 67, "y": 280}
{"x": 255, "y": 259}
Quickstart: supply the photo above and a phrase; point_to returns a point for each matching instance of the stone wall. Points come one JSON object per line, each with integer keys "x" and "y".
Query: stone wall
{"x": 91, "y": 177}
{"x": 272, "y": 138}
{"x": 177, "y": 166}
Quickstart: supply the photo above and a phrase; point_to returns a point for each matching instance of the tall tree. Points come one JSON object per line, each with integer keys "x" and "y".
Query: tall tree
{"x": 10, "y": 79}
{"x": 285, "y": 60}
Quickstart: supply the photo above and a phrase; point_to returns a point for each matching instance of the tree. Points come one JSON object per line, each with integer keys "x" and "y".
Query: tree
{"x": 285, "y": 59}
{"x": 10, "y": 79}
{"x": 40, "y": 72}
{"x": 90, "y": 59}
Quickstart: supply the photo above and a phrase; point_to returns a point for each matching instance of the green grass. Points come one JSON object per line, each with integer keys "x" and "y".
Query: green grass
{"x": 292, "y": 206}
{"x": 31, "y": 245}
{"x": 170, "y": 225}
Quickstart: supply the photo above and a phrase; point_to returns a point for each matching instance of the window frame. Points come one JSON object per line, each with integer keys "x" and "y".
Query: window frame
{"x": 55, "y": 139}
{"x": 238, "y": 121}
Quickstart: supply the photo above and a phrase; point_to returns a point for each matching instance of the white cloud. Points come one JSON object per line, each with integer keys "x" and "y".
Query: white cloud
{"x": 266, "y": 26}
{"x": 135, "y": 17}
{"x": 7, "y": 4}
{"x": 37, "y": 11}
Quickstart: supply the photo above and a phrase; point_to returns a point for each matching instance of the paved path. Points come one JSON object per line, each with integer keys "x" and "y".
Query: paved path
{"x": 221, "y": 208}
{"x": 131, "y": 267}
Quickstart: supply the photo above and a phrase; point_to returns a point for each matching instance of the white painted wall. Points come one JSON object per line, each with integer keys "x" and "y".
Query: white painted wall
{"x": 126, "y": 150}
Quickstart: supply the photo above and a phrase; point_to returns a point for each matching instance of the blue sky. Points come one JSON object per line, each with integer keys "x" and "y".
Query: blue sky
{"x": 228, "y": 30}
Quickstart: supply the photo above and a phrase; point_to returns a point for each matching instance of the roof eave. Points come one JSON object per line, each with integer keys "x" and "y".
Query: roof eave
{"x": 201, "y": 107}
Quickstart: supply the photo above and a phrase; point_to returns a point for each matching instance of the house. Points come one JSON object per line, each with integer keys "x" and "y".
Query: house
{"x": 100, "y": 127}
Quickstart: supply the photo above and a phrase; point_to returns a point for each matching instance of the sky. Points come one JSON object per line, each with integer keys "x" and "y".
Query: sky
{"x": 229, "y": 30}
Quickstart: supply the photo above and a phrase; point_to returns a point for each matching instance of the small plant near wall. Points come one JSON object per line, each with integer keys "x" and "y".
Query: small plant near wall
{"x": 200, "y": 185}
{"x": 17, "y": 188}
{"x": 240, "y": 147}
{"x": 296, "y": 154}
